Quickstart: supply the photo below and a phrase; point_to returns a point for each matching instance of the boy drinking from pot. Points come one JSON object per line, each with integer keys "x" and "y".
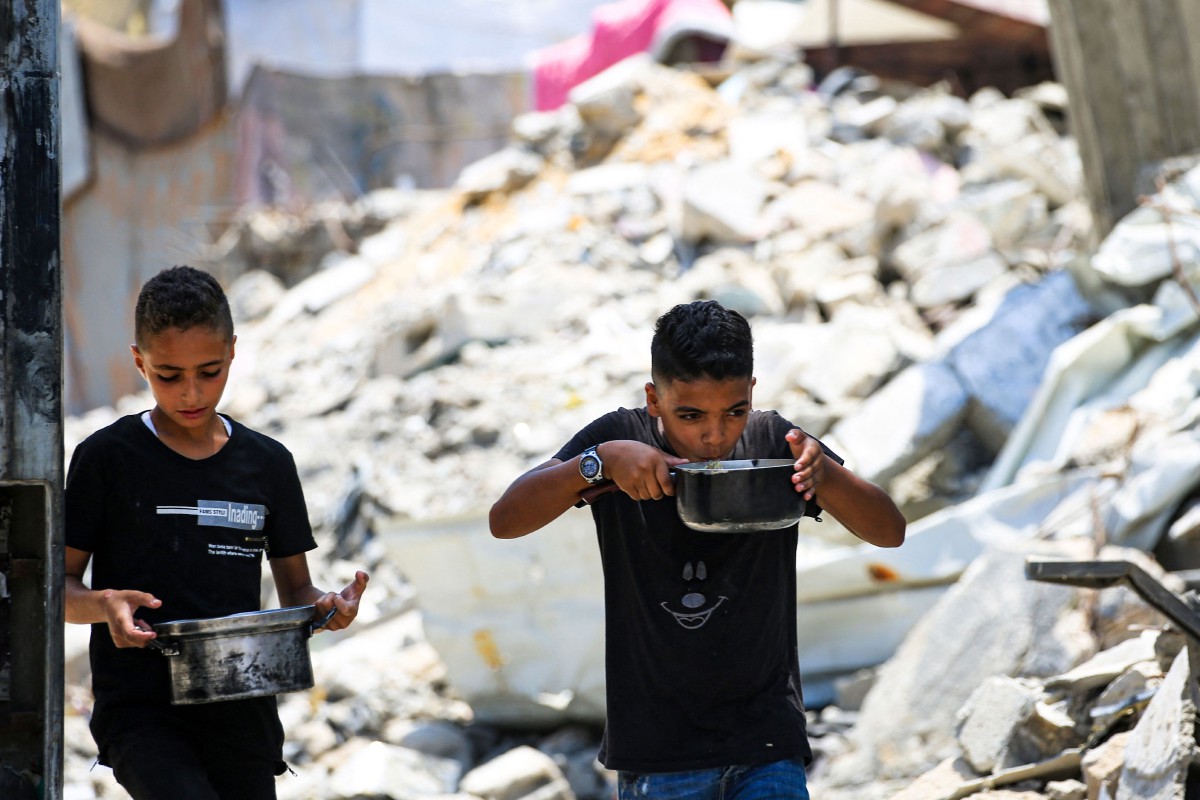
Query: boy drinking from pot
{"x": 175, "y": 508}
{"x": 704, "y": 697}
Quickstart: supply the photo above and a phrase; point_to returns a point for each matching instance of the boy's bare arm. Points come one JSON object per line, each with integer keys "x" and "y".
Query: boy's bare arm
{"x": 115, "y": 607}
{"x": 293, "y": 585}
{"x": 536, "y": 499}
{"x": 862, "y": 507}
{"x": 541, "y": 495}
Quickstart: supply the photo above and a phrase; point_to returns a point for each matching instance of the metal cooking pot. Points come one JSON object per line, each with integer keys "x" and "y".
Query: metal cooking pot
{"x": 739, "y": 496}
{"x": 253, "y": 654}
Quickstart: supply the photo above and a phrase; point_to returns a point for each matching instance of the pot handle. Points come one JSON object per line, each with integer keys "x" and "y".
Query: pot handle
{"x": 162, "y": 647}
{"x": 593, "y": 493}
{"x": 596, "y": 491}
{"x": 316, "y": 626}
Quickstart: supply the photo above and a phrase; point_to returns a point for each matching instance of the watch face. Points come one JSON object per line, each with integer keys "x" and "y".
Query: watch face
{"x": 589, "y": 466}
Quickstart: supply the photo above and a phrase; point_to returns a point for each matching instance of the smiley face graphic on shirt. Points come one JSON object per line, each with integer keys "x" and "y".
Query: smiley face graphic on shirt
{"x": 697, "y": 608}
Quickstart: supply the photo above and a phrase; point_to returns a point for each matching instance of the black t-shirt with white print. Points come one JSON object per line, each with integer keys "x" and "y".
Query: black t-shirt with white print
{"x": 191, "y": 532}
{"x": 701, "y": 654}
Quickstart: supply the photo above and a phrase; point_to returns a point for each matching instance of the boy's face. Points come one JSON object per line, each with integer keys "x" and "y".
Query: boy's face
{"x": 702, "y": 419}
{"x": 187, "y": 371}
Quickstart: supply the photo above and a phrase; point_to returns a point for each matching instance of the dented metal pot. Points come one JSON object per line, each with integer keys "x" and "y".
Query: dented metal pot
{"x": 254, "y": 654}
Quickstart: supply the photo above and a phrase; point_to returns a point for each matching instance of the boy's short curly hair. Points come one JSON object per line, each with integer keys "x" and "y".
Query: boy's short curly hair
{"x": 702, "y": 339}
{"x": 181, "y": 297}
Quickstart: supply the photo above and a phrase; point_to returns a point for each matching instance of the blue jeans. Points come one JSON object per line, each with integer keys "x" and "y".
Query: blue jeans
{"x": 777, "y": 780}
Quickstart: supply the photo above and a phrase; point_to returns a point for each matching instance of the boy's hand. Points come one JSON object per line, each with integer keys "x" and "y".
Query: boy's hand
{"x": 346, "y": 603}
{"x": 639, "y": 470}
{"x": 810, "y": 462}
{"x": 119, "y": 608}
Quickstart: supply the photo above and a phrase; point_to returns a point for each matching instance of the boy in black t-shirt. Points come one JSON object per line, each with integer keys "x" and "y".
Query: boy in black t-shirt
{"x": 704, "y": 697}
{"x": 175, "y": 508}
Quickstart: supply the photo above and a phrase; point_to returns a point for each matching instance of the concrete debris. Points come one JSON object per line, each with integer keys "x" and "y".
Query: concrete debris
{"x": 1066, "y": 790}
{"x": 505, "y": 171}
{"x": 917, "y": 412}
{"x": 523, "y": 772}
{"x": 991, "y": 622}
{"x": 989, "y": 718}
{"x": 1103, "y": 668}
{"x": 377, "y": 769}
{"x": 916, "y": 270}
{"x": 1102, "y": 766}
{"x": 1160, "y": 749}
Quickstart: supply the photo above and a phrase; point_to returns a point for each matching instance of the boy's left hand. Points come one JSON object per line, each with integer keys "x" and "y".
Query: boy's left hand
{"x": 346, "y": 603}
{"x": 810, "y": 462}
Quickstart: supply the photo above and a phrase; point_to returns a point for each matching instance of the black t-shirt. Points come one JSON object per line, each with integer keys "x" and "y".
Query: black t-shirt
{"x": 190, "y": 532}
{"x": 702, "y": 666}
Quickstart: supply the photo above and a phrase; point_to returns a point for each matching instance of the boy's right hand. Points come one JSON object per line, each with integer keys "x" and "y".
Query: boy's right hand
{"x": 119, "y": 608}
{"x": 639, "y": 470}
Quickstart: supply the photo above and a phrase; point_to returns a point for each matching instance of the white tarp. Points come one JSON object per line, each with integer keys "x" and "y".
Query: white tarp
{"x": 1109, "y": 366}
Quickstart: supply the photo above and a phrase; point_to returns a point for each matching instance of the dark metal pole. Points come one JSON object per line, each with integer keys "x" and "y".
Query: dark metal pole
{"x": 31, "y": 422}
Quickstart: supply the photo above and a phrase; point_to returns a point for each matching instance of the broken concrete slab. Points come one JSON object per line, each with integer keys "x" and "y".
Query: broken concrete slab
{"x": 1010, "y": 209}
{"x": 519, "y": 773}
{"x": 940, "y": 781}
{"x": 990, "y": 717}
{"x": 1160, "y": 749}
{"x": 1127, "y": 693}
{"x": 1104, "y": 667}
{"x": 853, "y": 355}
{"x": 1048, "y": 730}
{"x": 916, "y": 412}
{"x": 958, "y": 282}
{"x": 960, "y": 238}
{"x": 817, "y": 209}
{"x": 992, "y": 622}
{"x": 1070, "y": 789}
{"x": 1102, "y": 766}
{"x": 383, "y": 770}
{"x": 722, "y": 201}
{"x": 502, "y": 172}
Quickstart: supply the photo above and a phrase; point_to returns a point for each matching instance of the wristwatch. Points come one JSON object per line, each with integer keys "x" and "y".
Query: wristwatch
{"x": 590, "y": 466}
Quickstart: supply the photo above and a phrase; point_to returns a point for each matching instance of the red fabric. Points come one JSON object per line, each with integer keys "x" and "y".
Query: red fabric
{"x": 619, "y": 30}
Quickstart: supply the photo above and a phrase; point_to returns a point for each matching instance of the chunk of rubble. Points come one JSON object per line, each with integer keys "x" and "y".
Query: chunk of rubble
{"x": 1069, "y": 789}
{"x": 1128, "y": 694}
{"x": 992, "y": 622}
{"x": 1160, "y": 749}
{"x": 502, "y": 172}
{"x": 916, "y": 412}
{"x": 1106, "y": 666}
{"x": 1102, "y": 766}
{"x": 377, "y": 769}
{"x": 990, "y": 717}
{"x": 722, "y": 202}
{"x": 522, "y": 772}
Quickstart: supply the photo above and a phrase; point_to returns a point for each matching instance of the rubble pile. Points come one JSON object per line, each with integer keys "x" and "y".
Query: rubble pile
{"x": 916, "y": 269}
